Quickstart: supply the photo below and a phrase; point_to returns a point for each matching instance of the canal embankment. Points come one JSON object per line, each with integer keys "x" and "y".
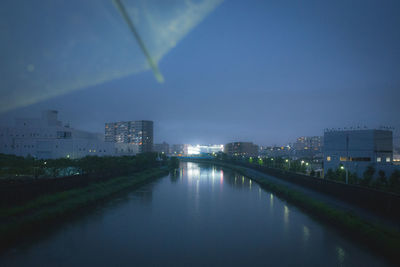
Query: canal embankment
{"x": 25, "y": 218}
{"x": 381, "y": 238}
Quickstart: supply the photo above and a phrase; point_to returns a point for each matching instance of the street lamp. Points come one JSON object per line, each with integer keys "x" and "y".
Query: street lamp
{"x": 347, "y": 173}
{"x": 288, "y": 161}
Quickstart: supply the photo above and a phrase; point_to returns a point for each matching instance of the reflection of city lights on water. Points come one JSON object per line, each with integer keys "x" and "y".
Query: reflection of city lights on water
{"x": 193, "y": 173}
{"x": 271, "y": 201}
{"x": 341, "y": 254}
{"x": 306, "y": 233}
{"x": 222, "y": 177}
{"x": 286, "y": 215}
{"x": 242, "y": 179}
{"x": 250, "y": 184}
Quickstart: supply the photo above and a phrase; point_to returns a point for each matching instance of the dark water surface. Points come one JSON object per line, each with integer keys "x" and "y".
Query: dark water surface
{"x": 203, "y": 216}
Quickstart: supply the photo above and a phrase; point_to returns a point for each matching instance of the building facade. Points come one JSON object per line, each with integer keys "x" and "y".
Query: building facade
{"x": 139, "y": 133}
{"x": 204, "y": 149}
{"x": 308, "y": 146}
{"x": 246, "y": 149}
{"x": 276, "y": 151}
{"x": 355, "y": 150}
{"x": 48, "y": 138}
{"x": 179, "y": 149}
{"x": 161, "y": 148}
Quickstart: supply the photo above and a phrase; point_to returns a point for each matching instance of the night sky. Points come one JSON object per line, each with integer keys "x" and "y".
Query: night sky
{"x": 261, "y": 71}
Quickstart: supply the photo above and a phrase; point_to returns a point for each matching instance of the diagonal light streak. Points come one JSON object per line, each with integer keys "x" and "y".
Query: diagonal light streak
{"x": 131, "y": 26}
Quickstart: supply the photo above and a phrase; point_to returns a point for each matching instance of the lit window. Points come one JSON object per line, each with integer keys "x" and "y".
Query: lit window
{"x": 378, "y": 159}
{"x": 388, "y": 159}
{"x": 328, "y": 158}
{"x": 343, "y": 159}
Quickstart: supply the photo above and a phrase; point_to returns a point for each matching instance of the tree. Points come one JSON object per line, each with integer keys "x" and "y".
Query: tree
{"x": 173, "y": 163}
{"x": 394, "y": 180}
{"x": 382, "y": 178}
{"x": 353, "y": 178}
{"x": 330, "y": 175}
{"x": 368, "y": 175}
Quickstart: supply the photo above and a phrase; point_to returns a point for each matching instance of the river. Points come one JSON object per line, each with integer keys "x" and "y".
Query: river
{"x": 203, "y": 216}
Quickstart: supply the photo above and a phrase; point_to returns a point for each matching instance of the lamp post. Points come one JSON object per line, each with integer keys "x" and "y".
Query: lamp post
{"x": 288, "y": 161}
{"x": 347, "y": 173}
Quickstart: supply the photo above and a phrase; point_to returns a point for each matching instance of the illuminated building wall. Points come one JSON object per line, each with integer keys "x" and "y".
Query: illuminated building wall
{"x": 161, "y": 148}
{"x": 138, "y": 133}
{"x": 204, "y": 149}
{"x": 47, "y": 138}
{"x": 308, "y": 146}
{"x": 246, "y": 149}
{"x": 355, "y": 150}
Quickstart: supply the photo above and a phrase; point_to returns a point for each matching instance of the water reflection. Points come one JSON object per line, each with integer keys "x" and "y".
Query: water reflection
{"x": 286, "y": 217}
{"x": 341, "y": 254}
{"x": 306, "y": 234}
{"x": 186, "y": 222}
{"x": 144, "y": 196}
{"x": 271, "y": 201}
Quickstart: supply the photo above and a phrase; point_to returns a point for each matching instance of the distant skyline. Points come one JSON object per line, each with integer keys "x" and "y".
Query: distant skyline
{"x": 262, "y": 71}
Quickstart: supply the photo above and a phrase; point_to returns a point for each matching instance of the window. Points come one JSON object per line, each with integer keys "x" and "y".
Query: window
{"x": 387, "y": 159}
{"x": 360, "y": 159}
{"x": 378, "y": 159}
{"x": 343, "y": 158}
{"x": 63, "y": 135}
{"x": 328, "y": 158}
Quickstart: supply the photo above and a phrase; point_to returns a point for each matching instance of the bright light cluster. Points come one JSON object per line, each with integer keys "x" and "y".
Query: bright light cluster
{"x": 207, "y": 149}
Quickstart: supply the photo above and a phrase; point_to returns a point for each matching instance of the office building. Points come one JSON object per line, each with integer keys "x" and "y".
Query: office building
{"x": 276, "y": 151}
{"x": 204, "y": 149}
{"x": 308, "y": 146}
{"x": 355, "y": 150}
{"x": 246, "y": 149}
{"x": 138, "y": 133}
{"x": 179, "y": 149}
{"x": 161, "y": 148}
{"x": 47, "y": 138}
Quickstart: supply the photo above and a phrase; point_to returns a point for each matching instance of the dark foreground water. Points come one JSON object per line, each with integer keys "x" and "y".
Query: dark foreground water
{"x": 203, "y": 216}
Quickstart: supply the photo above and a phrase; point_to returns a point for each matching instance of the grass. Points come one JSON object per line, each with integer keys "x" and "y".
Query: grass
{"x": 381, "y": 239}
{"x": 18, "y": 221}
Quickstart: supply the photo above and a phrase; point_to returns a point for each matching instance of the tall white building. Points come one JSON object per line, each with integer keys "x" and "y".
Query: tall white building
{"x": 48, "y": 138}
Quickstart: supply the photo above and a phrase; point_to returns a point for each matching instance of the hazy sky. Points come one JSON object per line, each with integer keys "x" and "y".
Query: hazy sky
{"x": 261, "y": 71}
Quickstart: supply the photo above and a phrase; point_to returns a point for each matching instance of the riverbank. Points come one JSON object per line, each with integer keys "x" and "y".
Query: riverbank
{"x": 32, "y": 216}
{"x": 381, "y": 239}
